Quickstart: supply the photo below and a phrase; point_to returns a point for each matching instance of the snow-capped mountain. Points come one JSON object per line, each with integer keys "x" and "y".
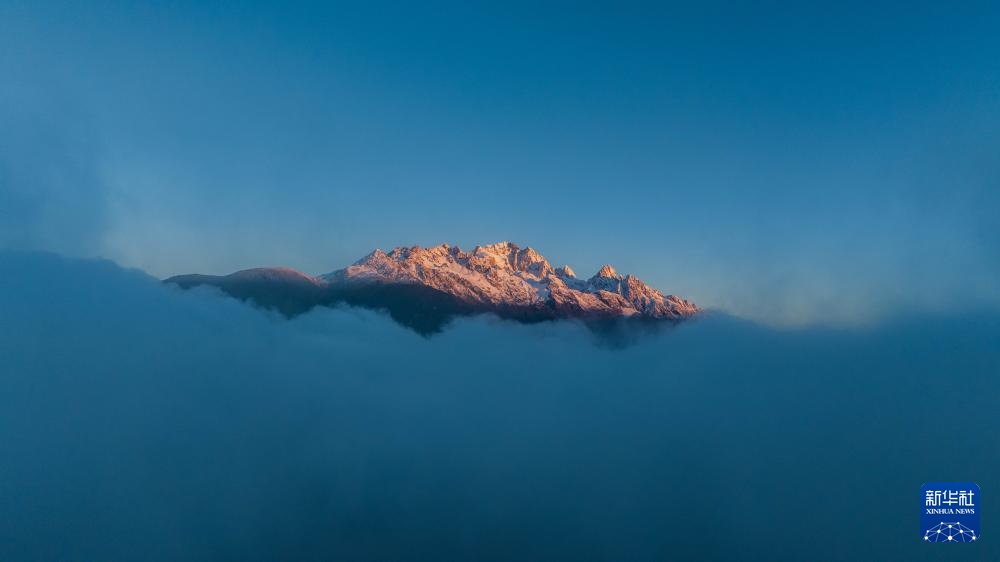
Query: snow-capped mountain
{"x": 425, "y": 287}
{"x": 505, "y": 274}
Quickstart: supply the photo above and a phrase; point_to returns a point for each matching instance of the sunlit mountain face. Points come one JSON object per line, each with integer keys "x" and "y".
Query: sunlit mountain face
{"x": 424, "y": 288}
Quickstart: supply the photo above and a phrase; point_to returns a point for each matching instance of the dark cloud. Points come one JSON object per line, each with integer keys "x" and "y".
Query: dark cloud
{"x": 139, "y": 421}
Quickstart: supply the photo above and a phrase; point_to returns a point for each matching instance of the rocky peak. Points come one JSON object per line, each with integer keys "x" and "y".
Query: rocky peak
{"x": 440, "y": 250}
{"x": 374, "y": 256}
{"x": 606, "y": 279}
{"x": 608, "y": 272}
{"x": 509, "y": 257}
{"x": 566, "y": 271}
{"x": 530, "y": 261}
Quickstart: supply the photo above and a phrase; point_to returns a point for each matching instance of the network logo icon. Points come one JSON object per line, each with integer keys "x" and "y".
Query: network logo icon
{"x": 949, "y": 512}
{"x": 949, "y": 532}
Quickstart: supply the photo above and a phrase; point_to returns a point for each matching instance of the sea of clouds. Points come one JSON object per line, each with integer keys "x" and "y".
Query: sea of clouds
{"x": 141, "y": 422}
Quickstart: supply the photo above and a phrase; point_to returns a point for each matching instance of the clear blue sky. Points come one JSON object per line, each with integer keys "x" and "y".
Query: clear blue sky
{"x": 790, "y": 163}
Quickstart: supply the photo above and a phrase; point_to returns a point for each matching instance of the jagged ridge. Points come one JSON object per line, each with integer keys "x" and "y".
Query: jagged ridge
{"x": 505, "y": 274}
{"x": 424, "y": 288}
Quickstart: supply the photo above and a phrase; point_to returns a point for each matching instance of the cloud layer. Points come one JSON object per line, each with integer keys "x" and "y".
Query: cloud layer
{"x": 143, "y": 422}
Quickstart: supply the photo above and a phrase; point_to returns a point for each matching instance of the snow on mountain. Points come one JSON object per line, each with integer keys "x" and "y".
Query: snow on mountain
{"x": 506, "y": 275}
{"x": 424, "y": 288}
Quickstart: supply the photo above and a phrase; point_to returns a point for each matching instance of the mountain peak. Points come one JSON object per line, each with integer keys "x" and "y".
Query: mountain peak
{"x": 608, "y": 271}
{"x": 565, "y": 271}
{"x": 375, "y": 255}
{"x": 504, "y": 247}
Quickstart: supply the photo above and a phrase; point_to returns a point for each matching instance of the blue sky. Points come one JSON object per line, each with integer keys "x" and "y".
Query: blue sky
{"x": 812, "y": 163}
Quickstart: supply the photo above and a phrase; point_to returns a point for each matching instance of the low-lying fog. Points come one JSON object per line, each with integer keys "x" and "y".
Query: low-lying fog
{"x": 141, "y": 422}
